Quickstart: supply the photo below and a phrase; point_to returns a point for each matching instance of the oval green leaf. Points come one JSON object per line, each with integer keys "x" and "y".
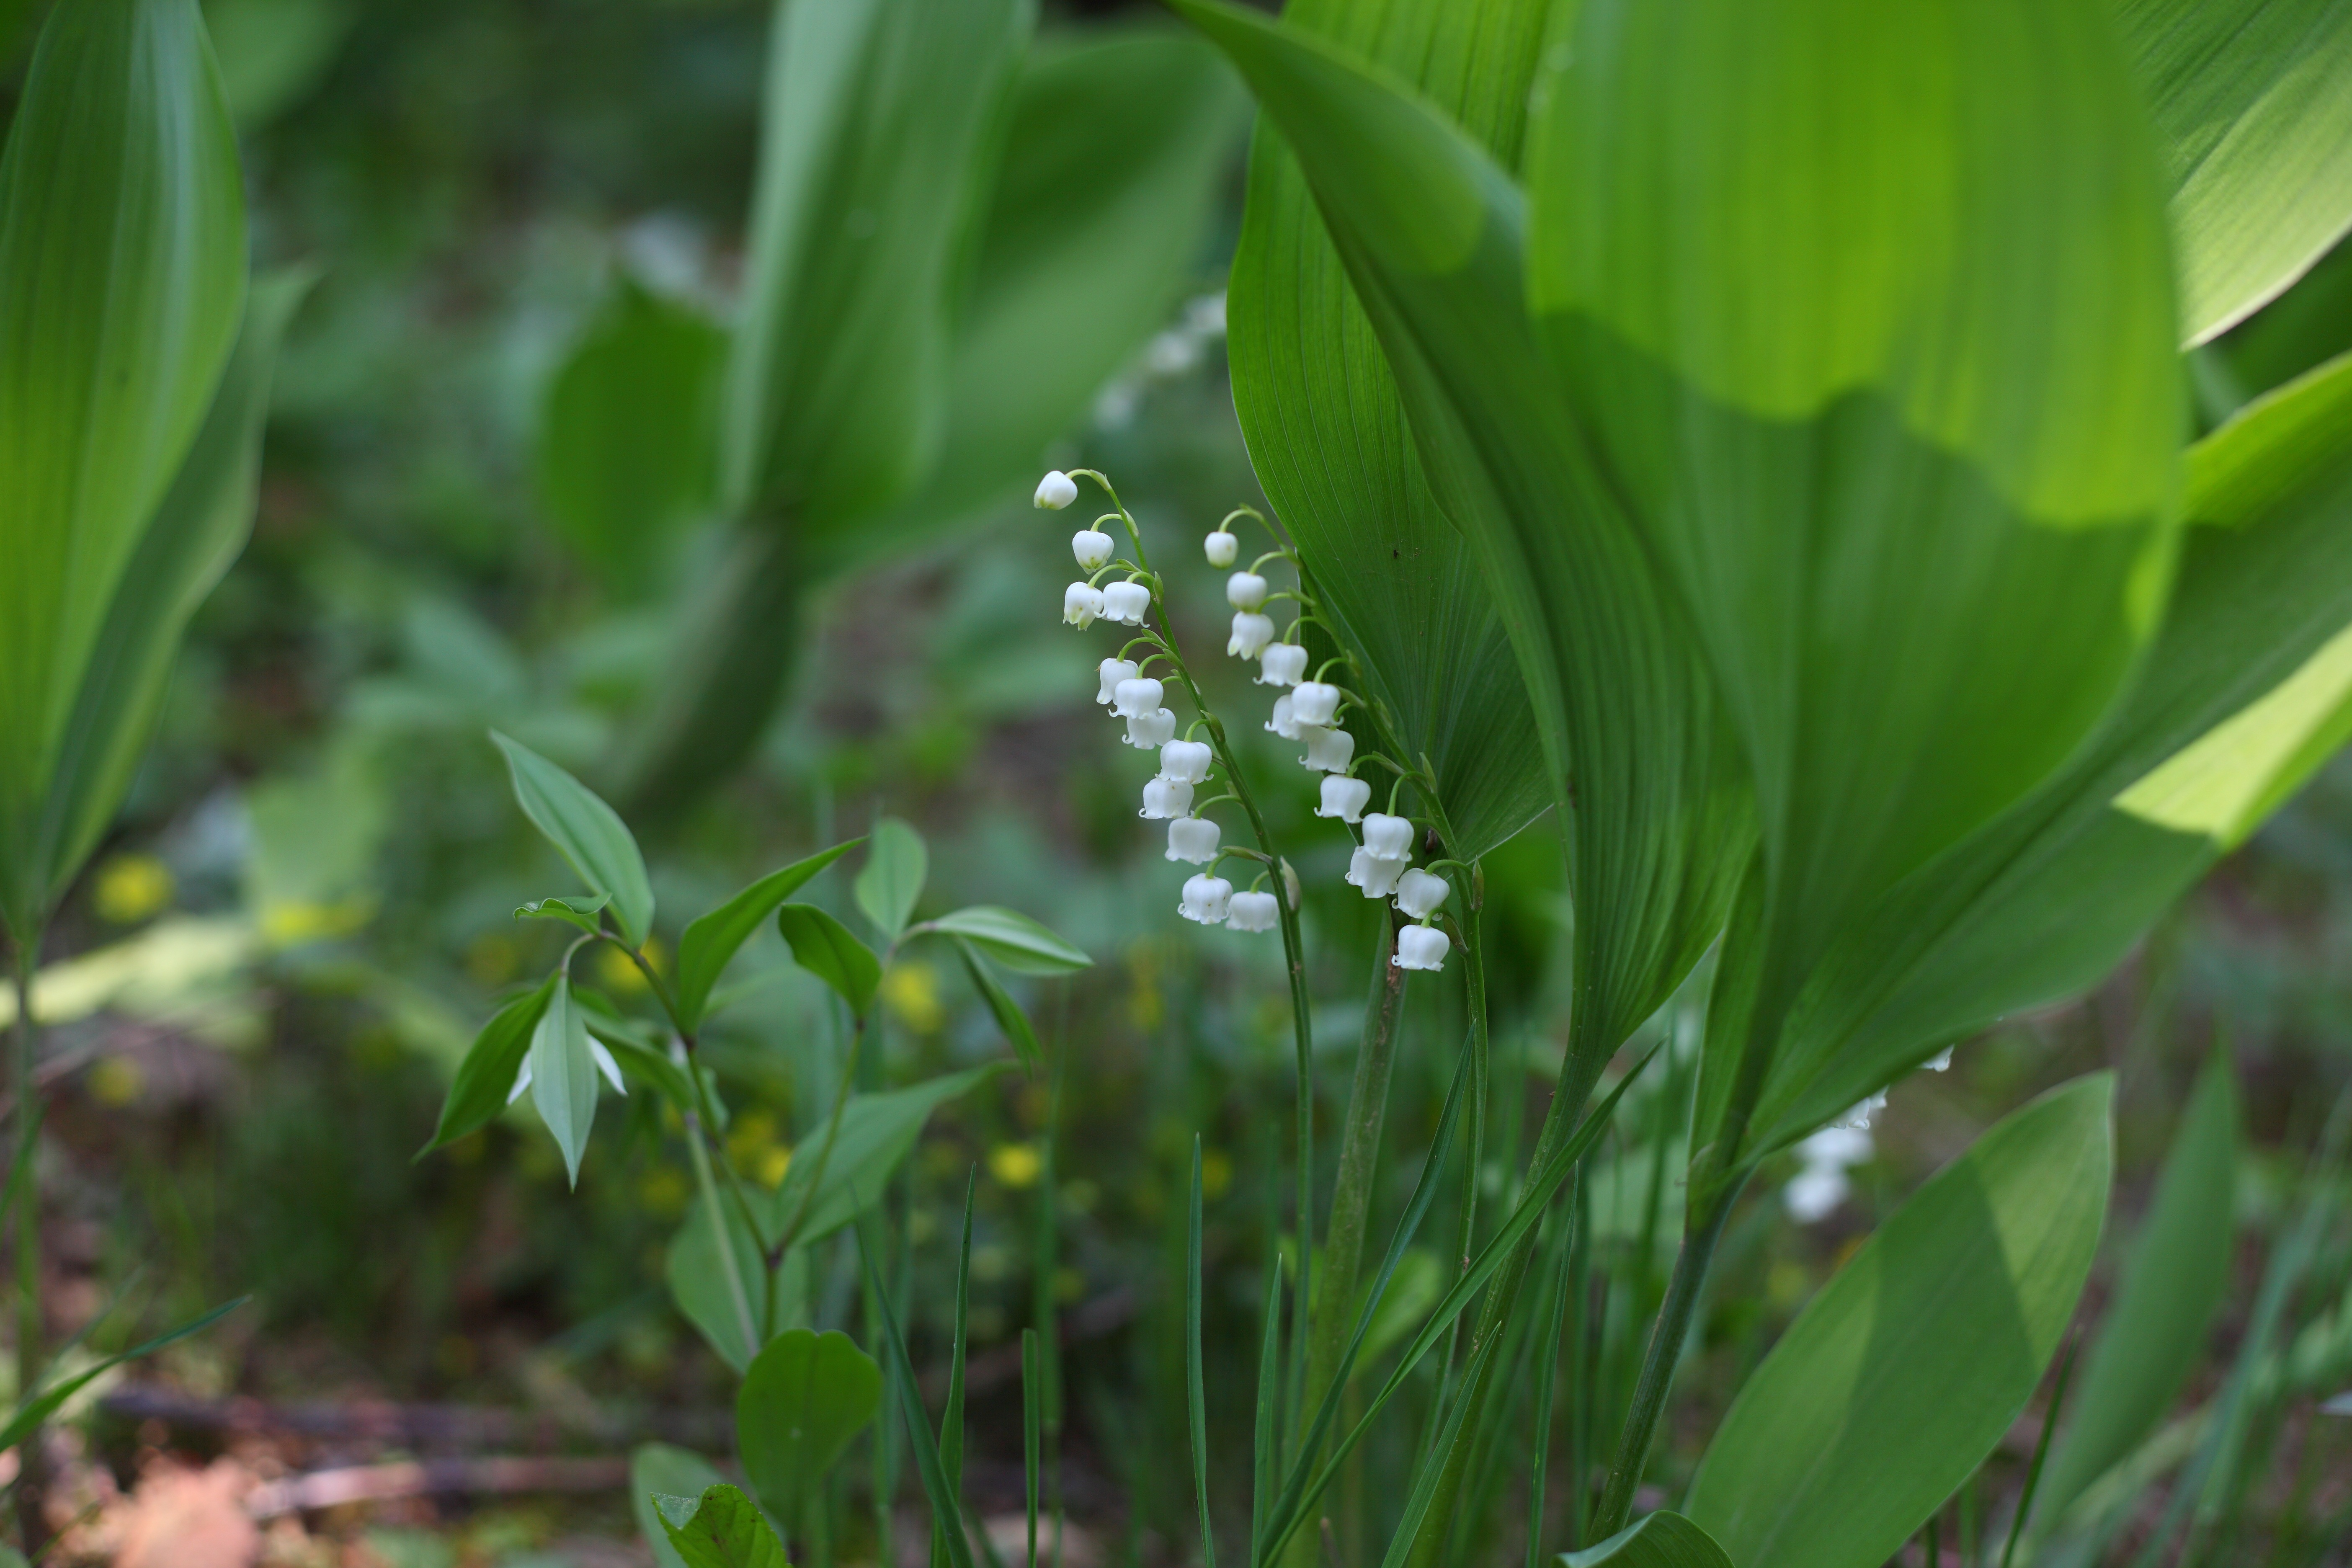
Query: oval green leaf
{"x": 1011, "y": 939}
{"x": 589, "y": 834}
{"x": 826, "y": 949}
{"x": 720, "y": 1529}
{"x": 710, "y": 941}
{"x": 663, "y": 1469}
{"x": 891, "y": 881}
{"x": 804, "y": 1397}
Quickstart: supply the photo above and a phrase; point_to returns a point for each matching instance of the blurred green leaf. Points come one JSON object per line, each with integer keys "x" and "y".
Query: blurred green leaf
{"x": 2155, "y": 1332}
{"x": 877, "y": 1131}
{"x": 828, "y": 949}
{"x": 1412, "y": 1291}
{"x": 1663, "y": 1540}
{"x": 563, "y": 1075}
{"x": 589, "y": 833}
{"x": 31, "y": 1413}
{"x": 122, "y": 281}
{"x": 720, "y": 1529}
{"x": 274, "y": 53}
{"x": 710, "y": 941}
{"x": 1898, "y": 1378}
{"x": 660, "y": 1469}
{"x": 697, "y": 1281}
{"x": 2252, "y": 104}
{"x": 1010, "y": 1018}
{"x": 625, "y": 435}
{"x": 485, "y": 1080}
{"x": 891, "y": 881}
{"x": 804, "y": 1397}
{"x": 574, "y": 909}
{"x": 1011, "y": 939}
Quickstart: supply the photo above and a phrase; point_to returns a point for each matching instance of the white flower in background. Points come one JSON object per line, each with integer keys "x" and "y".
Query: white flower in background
{"x": 1092, "y": 547}
{"x": 1186, "y": 762}
{"x": 1345, "y": 798}
{"x": 1252, "y": 911}
{"x": 1221, "y": 548}
{"x": 1281, "y": 664}
{"x": 1419, "y": 893}
{"x": 1821, "y": 1185}
{"x": 1056, "y": 490}
{"x": 1137, "y": 694}
{"x": 1387, "y": 837}
{"x": 1281, "y": 722}
{"x": 1126, "y": 602}
{"x": 1858, "y": 1117}
{"x": 1113, "y": 672}
{"x": 1165, "y": 798}
{"x": 1313, "y": 702}
{"x": 1376, "y": 876}
{"x": 1245, "y": 590}
{"x": 1150, "y": 731}
{"x": 1081, "y": 602}
{"x": 1422, "y": 947}
{"x": 1206, "y": 898}
{"x": 1940, "y": 1062}
{"x": 1329, "y": 751}
{"x": 1252, "y": 632}
{"x": 1192, "y": 838}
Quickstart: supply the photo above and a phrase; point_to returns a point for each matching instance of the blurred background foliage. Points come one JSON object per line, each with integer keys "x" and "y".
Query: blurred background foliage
{"x": 260, "y": 988}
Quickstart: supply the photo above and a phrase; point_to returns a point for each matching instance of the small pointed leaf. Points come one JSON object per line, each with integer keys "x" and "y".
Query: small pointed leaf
{"x": 828, "y": 949}
{"x": 710, "y": 941}
{"x": 589, "y": 834}
{"x": 487, "y": 1075}
{"x": 720, "y": 1529}
{"x": 1012, "y": 940}
{"x": 563, "y": 1075}
{"x": 892, "y": 877}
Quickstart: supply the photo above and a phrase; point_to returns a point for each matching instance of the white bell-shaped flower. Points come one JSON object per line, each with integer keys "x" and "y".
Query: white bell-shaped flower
{"x": 1314, "y": 703}
{"x": 1192, "y": 838}
{"x": 1220, "y": 547}
{"x": 1345, "y": 798}
{"x": 1419, "y": 893}
{"x": 1137, "y": 694}
{"x": 1377, "y": 878}
{"x": 1126, "y": 602}
{"x": 1056, "y": 490}
{"x": 1186, "y": 762}
{"x": 1166, "y": 798}
{"x": 1387, "y": 837}
{"x": 1421, "y": 947}
{"x": 1252, "y": 911}
{"x": 1281, "y": 664}
{"x": 1113, "y": 672}
{"x": 1081, "y": 602}
{"x": 1092, "y": 547}
{"x": 1252, "y": 632}
{"x": 1329, "y": 751}
{"x": 1281, "y": 724}
{"x": 1245, "y": 590}
{"x": 1206, "y": 899}
{"x": 1150, "y": 731}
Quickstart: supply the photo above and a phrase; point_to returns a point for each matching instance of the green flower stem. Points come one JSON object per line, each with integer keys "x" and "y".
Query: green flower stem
{"x": 701, "y": 1157}
{"x": 31, "y": 1500}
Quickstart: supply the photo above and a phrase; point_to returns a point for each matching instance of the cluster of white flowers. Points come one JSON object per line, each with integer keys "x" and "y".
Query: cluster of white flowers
{"x": 1823, "y": 1159}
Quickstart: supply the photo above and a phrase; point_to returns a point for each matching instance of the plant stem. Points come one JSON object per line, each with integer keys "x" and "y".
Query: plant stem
{"x": 709, "y": 1186}
{"x": 32, "y": 1517}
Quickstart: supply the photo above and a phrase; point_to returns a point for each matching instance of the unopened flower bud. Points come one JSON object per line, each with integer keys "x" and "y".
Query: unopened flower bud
{"x": 1056, "y": 490}
{"x": 1291, "y": 891}
{"x": 1092, "y": 547}
{"x": 1206, "y": 898}
{"x": 1150, "y": 731}
{"x": 1329, "y": 751}
{"x": 1126, "y": 602}
{"x": 1252, "y": 911}
{"x": 1192, "y": 838}
{"x": 1081, "y": 602}
{"x": 1376, "y": 876}
{"x": 1186, "y": 762}
{"x": 1387, "y": 837}
{"x": 1220, "y": 547}
{"x": 1165, "y": 799}
{"x": 1344, "y": 798}
{"x": 1245, "y": 590}
{"x": 1281, "y": 664}
{"x": 1113, "y": 672}
{"x": 1137, "y": 694}
{"x": 1419, "y": 893}
{"x": 1252, "y": 632}
{"x": 1313, "y": 702}
{"x": 1421, "y": 947}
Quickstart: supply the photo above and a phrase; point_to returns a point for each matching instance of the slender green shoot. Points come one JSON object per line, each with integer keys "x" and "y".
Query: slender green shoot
{"x": 942, "y": 1498}
{"x": 2041, "y": 1453}
{"x": 1196, "y": 1395}
{"x": 1554, "y": 1317}
{"x": 952, "y": 1419}
{"x": 1032, "y": 1435}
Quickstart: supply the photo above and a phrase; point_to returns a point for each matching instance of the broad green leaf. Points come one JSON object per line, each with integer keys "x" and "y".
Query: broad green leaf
{"x": 882, "y": 121}
{"x": 826, "y": 949}
{"x": 710, "y": 941}
{"x": 664, "y": 1470}
{"x": 892, "y": 878}
{"x": 31, "y": 1413}
{"x": 122, "y": 280}
{"x": 697, "y": 1281}
{"x": 878, "y": 1133}
{"x": 2252, "y": 104}
{"x": 1663, "y": 1540}
{"x": 1010, "y": 1018}
{"x": 273, "y": 53}
{"x": 485, "y": 1080}
{"x": 1400, "y": 586}
{"x": 1011, "y": 939}
{"x": 2154, "y": 1334}
{"x": 804, "y": 1397}
{"x": 563, "y": 1075}
{"x": 720, "y": 1529}
{"x": 577, "y": 909}
{"x": 624, "y": 437}
{"x": 589, "y": 833}
{"x": 1898, "y": 1378}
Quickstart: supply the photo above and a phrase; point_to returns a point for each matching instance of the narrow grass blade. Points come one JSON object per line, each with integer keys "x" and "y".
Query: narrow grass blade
{"x": 1424, "y": 1486}
{"x": 1267, "y": 1461}
{"x": 1032, "y": 1434}
{"x": 1555, "y": 1315}
{"x": 2040, "y": 1455}
{"x": 952, "y": 1419}
{"x": 1195, "y": 1398}
{"x": 39, "y": 1409}
{"x": 943, "y": 1497}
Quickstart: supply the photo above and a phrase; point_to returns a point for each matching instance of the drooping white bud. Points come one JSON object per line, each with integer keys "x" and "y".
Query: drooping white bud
{"x": 1092, "y": 547}
{"x": 1113, "y": 672}
{"x": 1166, "y": 798}
{"x": 1252, "y": 911}
{"x": 1056, "y": 490}
{"x": 1419, "y": 893}
{"x": 1282, "y": 723}
{"x": 1376, "y": 876}
{"x": 1329, "y": 751}
{"x": 1137, "y": 694}
{"x": 1387, "y": 837}
{"x": 1206, "y": 898}
{"x": 1314, "y": 703}
{"x": 1252, "y": 632}
{"x": 1345, "y": 798}
{"x": 1245, "y": 590}
{"x": 1421, "y": 947}
{"x": 1220, "y": 547}
{"x": 1281, "y": 664}
{"x": 1186, "y": 762}
{"x": 1192, "y": 838}
{"x": 1081, "y": 604}
{"x": 1126, "y": 602}
{"x": 1150, "y": 731}
{"x": 1291, "y": 891}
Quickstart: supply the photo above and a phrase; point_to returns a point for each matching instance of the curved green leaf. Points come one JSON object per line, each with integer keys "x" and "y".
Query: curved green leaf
{"x": 485, "y": 1078}
{"x": 877, "y": 1131}
{"x": 563, "y": 1075}
{"x": 1010, "y": 1018}
{"x": 696, "y": 1277}
{"x": 720, "y": 1529}
{"x": 576, "y": 909}
{"x": 826, "y": 949}
{"x": 710, "y": 941}
{"x": 664, "y": 1470}
{"x": 804, "y": 1397}
{"x": 31, "y": 1413}
{"x": 1898, "y": 1378}
{"x": 1663, "y": 1540}
{"x": 589, "y": 834}
{"x": 1011, "y": 939}
{"x": 892, "y": 878}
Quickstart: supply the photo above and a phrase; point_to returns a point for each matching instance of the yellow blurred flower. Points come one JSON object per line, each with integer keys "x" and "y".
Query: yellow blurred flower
{"x": 663, "y": 1190}
{"x": 753, "y": 1145}
{"x": 912, "y": 991}
{"x": 617, "y": 973}
{"x": 115, "y": 1082}
{"x": 491, "y": 958}
{"x": 1015, "y": 1165}
{"x": 1216, "y": 1172}
{"x": 130, "y": 887}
